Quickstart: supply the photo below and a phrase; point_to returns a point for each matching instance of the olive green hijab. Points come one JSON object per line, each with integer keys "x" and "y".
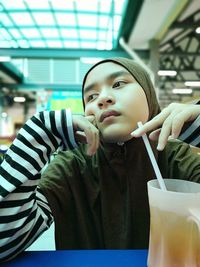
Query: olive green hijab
{"x": 141, "y": 76}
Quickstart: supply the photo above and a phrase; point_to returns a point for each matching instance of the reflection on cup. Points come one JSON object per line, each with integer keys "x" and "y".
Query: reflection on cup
{"x": 175, "y": 224}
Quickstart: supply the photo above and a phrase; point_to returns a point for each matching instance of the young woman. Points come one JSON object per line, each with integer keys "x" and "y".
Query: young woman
{"x": 96, "y": 193}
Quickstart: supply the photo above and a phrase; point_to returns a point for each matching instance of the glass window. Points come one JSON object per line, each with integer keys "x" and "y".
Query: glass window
{"x": 5, "y": 34}
{"x": 37, "y": 43}
{"x": 30, "y": 33}
{"x": 23, "y": 43}
{"x": 87, "y": 20}
{"x": 15, "y": 33}
{"x": 71, "y": 44}
{"x": 54, "y": 44}
{"x": 43, "y": 18}
{"x": 49, "y": 33}
{"x": 5, "y": 44}
{"x": 66, "y": 19}
{"x": 86, "y": 24}
{"x": 69, "y": 33}
{"x": 63, "y": 5}
{"x": 5, "y": 20}
{"x": 20, "y": 19}
{"x": 17, "y": 4}
{"x": 88, "y": 34}
{"x": 44, "y": 4}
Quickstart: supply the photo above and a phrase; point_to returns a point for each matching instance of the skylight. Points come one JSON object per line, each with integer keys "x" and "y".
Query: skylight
{"x": 87, "y": 24}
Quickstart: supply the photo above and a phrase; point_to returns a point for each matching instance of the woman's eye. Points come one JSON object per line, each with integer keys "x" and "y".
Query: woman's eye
{"x": 118, "y": 84}
{"x": 91, "y": 97}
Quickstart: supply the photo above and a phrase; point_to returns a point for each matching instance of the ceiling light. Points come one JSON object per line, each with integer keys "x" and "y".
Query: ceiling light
{"x": 167, "y": 73}
{"x": 192, "y": 83}
{"x": 90, "y": 60}
{"x": 4, "y": 114}
{"x": 5, "y": 59}
{"x": 19, "y": 99}
{"x": 182, "y": 91}
{"x": 198, "y": 30}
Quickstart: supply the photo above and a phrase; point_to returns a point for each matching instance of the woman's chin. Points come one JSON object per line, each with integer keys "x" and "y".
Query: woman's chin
{"x": 115, "y": 138}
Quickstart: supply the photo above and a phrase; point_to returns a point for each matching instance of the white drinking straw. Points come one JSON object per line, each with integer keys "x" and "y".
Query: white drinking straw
{"x": 153, "y": 160}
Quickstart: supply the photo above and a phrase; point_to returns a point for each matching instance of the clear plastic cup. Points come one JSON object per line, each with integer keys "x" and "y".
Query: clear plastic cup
{"x": 174, "y": 224}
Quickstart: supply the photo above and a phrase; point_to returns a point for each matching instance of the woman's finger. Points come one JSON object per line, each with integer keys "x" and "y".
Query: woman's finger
{"x": 153, "y": 124}
{"x": 90, "y": 131}
{"x": 95, "y": 144}
{"x": 155, "y": 134}
{"x": 178, "y": 122}
{"x": 165, "y": 132}
{"x": 80, "y": 137}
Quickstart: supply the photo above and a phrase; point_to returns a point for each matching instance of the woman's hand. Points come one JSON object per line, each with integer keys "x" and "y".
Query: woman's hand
{"x": 169, "y": 123}
{"x": 86, "y": 132}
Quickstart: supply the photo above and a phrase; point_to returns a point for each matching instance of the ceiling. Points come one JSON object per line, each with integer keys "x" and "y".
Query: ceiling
{"x": 170, "y": 27}
{"x": 60, "y": 24}
{"x": 160, "y": 33}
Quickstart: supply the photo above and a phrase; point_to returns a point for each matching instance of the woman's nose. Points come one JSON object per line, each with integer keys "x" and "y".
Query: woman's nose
{"x": 105, "y": 98}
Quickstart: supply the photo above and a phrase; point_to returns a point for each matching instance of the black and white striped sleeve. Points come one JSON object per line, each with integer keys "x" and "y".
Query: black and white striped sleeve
{"x": 24, "y": 210}
{"x": 192, "y": 134}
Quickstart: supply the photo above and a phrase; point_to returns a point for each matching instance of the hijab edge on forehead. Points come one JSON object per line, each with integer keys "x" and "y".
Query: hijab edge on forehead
{"x": 139, "y": 74}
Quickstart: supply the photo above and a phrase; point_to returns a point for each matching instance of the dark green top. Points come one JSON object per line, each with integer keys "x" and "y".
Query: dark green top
{"x": 101, "y": 202}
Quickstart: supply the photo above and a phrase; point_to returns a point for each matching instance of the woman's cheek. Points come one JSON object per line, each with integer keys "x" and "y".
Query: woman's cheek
{"x": 89, "y": 110}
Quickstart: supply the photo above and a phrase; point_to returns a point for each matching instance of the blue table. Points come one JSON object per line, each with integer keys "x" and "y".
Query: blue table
{"x": 80, "y": 258}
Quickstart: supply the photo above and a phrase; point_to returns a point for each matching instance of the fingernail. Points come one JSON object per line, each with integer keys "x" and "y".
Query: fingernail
{"x": 160, "y": 147}
{"x": 134, "y": 133}
{"x": 89, "y": 153}
{"x": 173, "y": 136}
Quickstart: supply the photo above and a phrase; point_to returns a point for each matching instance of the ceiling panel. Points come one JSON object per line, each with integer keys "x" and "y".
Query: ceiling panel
{"x": 61, "y": 24}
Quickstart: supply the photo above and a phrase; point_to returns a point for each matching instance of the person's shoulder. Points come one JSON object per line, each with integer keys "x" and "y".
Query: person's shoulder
{"x": 177, "y": 153}
{"x": 174, "y": 145}
{"x": 65, "y": 163}
{"x": 178, "y": 147}
{"x": 78, "y": 154}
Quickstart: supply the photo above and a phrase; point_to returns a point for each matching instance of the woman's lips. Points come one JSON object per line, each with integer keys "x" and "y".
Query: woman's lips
{"x": 108, "y": 114}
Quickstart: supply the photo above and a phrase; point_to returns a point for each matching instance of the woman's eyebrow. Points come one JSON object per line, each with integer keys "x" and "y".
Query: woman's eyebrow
{"x": 109, "y": 77}
{"x": 89, "y": 88}
{"x": 117, "y": 74}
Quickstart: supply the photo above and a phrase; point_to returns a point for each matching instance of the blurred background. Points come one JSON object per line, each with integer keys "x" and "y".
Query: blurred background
{"x": 46, "y": 47}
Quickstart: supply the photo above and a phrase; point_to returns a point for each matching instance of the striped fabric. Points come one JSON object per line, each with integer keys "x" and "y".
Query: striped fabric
{"x": 192, "y": 134}
{"x": 24, "y": 211}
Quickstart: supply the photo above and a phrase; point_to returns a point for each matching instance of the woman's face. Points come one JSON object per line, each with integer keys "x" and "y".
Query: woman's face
{"x": 116, "y": 100}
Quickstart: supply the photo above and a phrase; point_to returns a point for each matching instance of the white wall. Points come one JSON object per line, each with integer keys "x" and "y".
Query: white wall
{"x": 45, "y": 241}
